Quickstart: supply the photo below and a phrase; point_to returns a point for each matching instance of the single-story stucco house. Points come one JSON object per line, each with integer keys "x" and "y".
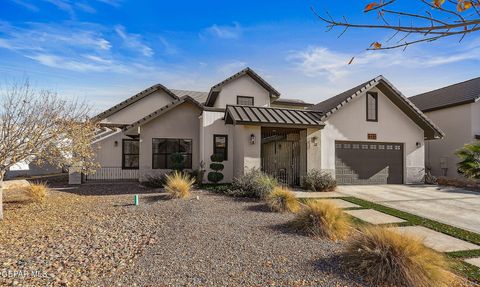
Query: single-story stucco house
{"x": 456, "y": 110}
{"x": 370, "y": 134}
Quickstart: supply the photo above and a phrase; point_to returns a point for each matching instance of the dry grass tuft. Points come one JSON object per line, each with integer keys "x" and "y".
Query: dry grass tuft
{"x": 37, "y": 192}
{"x": 281, "y": 199}
{"x": 178, "y": 185}
{"x": 323, "y": 219}
{"x": 387, "y": 258}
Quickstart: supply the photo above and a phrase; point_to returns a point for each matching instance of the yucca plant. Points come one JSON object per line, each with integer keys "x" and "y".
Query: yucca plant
{"x": 322, "y": 219}
{"x": 281, "y": 199}
{"x": 37, "y": 192}
{"x": 469, "y": 164}
{"x": 178, "y": 184}
{"x": 386, "y": 258}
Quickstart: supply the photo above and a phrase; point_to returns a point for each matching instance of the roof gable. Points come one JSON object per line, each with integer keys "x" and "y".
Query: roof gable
{"x": 453, "y": 95}
{"x": 162, "y": 111}
{"x": 215, "y": 90}
{"x": 334, "y": 104}
{"x": 135, "y": 98}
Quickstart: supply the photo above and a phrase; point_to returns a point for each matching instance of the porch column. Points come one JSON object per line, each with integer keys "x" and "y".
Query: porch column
{"x": 246, "y": 154}
{"x": 313, "y": 149}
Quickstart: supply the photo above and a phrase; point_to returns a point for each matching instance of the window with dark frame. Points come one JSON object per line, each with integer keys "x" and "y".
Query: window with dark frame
{"x": 372, "y": 107}
{"x": 130, "y": 153}
{"x": 163, "y": 149}
{"x": 220, "y": 145}
{"x": 245, "y": 101}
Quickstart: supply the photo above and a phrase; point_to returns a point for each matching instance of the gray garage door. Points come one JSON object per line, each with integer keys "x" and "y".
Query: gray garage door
{"x": 368, "y": 162}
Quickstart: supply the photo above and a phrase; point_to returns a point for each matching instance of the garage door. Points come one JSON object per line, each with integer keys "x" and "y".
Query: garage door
{"x": 368, "y": 162}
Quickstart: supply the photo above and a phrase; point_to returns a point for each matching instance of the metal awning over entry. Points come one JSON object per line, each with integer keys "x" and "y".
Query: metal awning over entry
{"x": 251, "y": 115}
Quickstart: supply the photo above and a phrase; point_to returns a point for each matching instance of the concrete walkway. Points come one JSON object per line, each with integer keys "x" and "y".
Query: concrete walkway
{"x": 449, "y": 205}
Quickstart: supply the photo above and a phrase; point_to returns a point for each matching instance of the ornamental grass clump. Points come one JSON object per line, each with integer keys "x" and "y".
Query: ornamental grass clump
{"x": 178, "y": 184}
{"x": 386, "y": 258}
{"x": 322, "y": 219}
{"x": 37, "y": 192}
{"x": 282, "y": 199}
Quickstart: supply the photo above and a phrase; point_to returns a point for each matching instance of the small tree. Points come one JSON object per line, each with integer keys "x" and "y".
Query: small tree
{"x": 215, "y": 176}
{"x": 178, "y": 161}
{"x": 40, "y": 127}
{"x": 469, "y": 165}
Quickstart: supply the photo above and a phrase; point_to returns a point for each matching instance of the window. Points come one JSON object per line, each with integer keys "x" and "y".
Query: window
{"x": 372, "y": 107}
{"x": 220, "y": 145}
{"x": 130, "y": 152}
{"x": 245, "y": 101}
{"x": 163, "y": 149}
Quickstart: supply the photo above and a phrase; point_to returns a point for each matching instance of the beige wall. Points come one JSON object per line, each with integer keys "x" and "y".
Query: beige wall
{"x": 140, "y": 109}
{"x": 107, "y": 153}
{"x": 349, "y": 123}
{"x": 243, "y": 86}
{"x": 246, "y": 155}
{"x": 460, "y": 124}
{"x": 213, "y": 123}
{"x": 181, "y": 122}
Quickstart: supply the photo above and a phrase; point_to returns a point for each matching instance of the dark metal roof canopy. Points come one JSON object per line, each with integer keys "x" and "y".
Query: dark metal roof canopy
{"x": 266, "y": 116}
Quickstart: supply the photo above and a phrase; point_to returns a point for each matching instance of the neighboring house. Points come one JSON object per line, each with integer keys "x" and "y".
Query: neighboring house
{"x": 369, "y": 134}
{"x": 28, "y": 169}
{"x": 456, "y": 110}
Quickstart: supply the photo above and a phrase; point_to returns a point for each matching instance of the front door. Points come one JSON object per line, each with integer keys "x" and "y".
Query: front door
{"x": 281, "y": 155}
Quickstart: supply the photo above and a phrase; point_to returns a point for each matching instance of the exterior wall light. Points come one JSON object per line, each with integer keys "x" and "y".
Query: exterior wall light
{"x": 252, "y": 139}
{"x": 314, "y": 141}
{"x": 115, "y": 143}
{"x": 418, "y": 144}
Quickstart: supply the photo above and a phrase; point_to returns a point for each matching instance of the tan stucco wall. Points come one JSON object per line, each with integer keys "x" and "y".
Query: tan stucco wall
{"x": 212, "y": 123}
{"x": 349, "y": 123}
{"x": 179, "y": 123}
{"x": 246, "y": 155}
{"x": 459, "y": 123}
{"x": 140, "y": 109}
{"x": 243, "y": 86}
{"x": 107, "y": 154}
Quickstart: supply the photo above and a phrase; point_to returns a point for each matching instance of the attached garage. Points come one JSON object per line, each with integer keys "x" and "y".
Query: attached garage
{"x": 368, "y": 162}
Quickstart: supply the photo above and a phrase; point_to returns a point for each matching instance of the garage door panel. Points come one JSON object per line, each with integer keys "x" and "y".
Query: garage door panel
{"x": 368, "y": 163}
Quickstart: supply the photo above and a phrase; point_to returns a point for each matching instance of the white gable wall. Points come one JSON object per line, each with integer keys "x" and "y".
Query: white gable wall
{"x": 350, "y": 124}
{"x": 182, "y": 122}
{"x": 140, "y": 109}
{"x": 212, "y": 123}
{"x": 459, "y": 123}
{"x": 243, "y": 86}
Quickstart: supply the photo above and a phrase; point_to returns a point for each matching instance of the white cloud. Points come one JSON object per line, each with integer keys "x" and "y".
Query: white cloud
{"x": 88, "y": 64}
{"x": 225, "y": 32}
{"x": 133, "y": 41}
{"x": 26, "y": 4}
{"x": 321, "y": 61}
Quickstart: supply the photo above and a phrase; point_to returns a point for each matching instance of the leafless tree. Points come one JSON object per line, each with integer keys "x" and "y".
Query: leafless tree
{"x": 440, "y": 19}
{"x": 38, "y": 126}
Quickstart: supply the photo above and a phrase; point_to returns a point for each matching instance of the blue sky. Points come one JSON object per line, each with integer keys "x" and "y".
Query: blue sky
{"x": 107, "y": 50}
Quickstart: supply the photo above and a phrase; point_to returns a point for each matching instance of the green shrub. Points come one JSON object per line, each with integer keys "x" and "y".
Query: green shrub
{"x": 322, "y": 219}
{"x": 254, "y": 184}
{"x": 386, "y": 258}
{"x": 316, "y": 180}
{"x": 469, "y": 164}
{"x": 216, "y": 176}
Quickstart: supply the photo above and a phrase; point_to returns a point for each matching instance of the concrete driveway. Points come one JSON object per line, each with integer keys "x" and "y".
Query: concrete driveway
{"x": 449, "y": 205}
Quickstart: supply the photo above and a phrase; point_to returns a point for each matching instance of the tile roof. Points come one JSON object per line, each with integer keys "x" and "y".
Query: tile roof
{"x": 453, "y": 95}
{"x": 332, "y": 105}
{"x": 236, "y": 114}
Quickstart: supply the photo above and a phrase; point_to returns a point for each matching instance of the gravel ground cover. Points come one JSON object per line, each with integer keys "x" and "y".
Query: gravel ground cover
{"x": 93, "y": 236}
